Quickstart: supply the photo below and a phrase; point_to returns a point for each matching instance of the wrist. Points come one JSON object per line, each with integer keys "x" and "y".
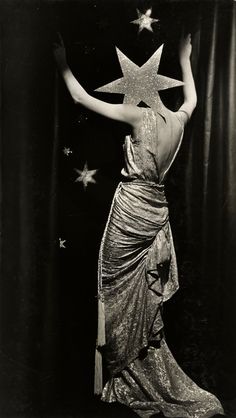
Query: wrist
{"x": 62, "y": 65}
{"x": 60, "y": 58}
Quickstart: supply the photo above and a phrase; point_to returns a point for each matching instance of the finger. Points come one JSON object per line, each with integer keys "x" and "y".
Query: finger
{"x": 189, "y": 36}
{"x": 56, "y": 47}
{"x": 60, "y": 38}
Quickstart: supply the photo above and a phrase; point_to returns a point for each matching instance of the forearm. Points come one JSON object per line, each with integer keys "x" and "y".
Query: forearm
{"x": 122, "y": 112}
{"x": 77, "y": 92}
{"x": 189, "y": 91}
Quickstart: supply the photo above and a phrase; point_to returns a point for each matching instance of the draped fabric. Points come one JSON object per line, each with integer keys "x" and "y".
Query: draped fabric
{"x": 44, "y": 345}
{"x": 29, "y": 158}
{"x": 211, "y": 137}
{"x": 136, "y": 240}
{"x": 155, "y": 383}
{"x": 138, "y": 272}
{"x": 209, "y": 181}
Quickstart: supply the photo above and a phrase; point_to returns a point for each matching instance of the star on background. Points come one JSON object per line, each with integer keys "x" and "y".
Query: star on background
{"x": 67, "y": 151}
{"x": 82, "y": 118}
{"x": 62, "y": 243}
{"x": 144, "y": 20}
{"x": 141, "y": 84}
{"x": 85, "y": 176}
{"x": 88, "y": 49}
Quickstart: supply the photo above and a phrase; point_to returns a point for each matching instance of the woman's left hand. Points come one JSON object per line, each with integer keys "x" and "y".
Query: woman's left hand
{"x": 59, "y": 50}
{"x": 185, "y": 48}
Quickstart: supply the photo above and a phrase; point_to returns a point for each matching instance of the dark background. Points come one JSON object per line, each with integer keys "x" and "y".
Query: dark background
{"x": 47, "y": 293}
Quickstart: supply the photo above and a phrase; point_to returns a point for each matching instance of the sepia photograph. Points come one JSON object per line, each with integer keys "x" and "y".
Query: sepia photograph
{"x": 117, "y": 208}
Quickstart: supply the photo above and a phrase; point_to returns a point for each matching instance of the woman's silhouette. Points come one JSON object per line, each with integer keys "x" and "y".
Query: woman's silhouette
{"x": 137, "y": 264}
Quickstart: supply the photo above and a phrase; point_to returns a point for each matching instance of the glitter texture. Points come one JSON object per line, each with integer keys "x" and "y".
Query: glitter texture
{"x": 141, "y": 84}
{"x": 85, "y": 176}
{"x": 145, "y": 20}
{"x": 137, "y": 274}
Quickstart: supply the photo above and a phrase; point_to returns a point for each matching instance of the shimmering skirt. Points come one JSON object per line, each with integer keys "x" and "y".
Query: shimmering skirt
{"x": 138, "y": 272}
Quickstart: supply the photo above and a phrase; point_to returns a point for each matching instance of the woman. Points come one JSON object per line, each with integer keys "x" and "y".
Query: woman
{"x": 137, "y": 264}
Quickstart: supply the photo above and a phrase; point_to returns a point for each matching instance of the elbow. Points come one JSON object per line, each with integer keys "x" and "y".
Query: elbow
{"x": 76, "y": 100}
{"x": 194, "y": 104}
{"x": 191, "y": 104}
{"x": 80, "y": 99}
{"x": 194, "y": 98}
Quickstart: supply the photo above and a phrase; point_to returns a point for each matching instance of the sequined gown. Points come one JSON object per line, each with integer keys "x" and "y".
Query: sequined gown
{"x": 138, "y": 272}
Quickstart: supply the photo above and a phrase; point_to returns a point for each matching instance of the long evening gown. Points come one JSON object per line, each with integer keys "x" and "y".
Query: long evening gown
{"x": 137, "y": 273}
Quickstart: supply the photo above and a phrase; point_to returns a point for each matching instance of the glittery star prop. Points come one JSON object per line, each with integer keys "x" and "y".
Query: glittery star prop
{"x": 62, "y": 243}
{"x": 144, "y": 20}
{"x": 141, "y": 84}
{"x": 67, "y": 151}
{"x": 85, "y": 176}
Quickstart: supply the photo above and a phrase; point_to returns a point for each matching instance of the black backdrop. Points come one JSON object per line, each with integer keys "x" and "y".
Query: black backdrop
{"x": 48, "y": 293}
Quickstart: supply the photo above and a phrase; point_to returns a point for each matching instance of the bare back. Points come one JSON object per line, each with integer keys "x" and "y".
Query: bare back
{"x": 153, "y": 146}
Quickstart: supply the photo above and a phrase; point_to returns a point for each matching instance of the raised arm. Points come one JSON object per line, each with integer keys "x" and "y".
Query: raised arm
{"x": 122, "y": 112}
{"x": 189, "y": 91}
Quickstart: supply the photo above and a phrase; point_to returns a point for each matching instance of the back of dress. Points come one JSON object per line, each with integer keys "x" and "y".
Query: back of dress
{"x": 137, "y": 274}
{"x": 151, "y": 150}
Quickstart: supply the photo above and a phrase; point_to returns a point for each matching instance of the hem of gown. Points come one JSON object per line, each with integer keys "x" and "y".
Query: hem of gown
{"x": 155, "y": 407}
{"x": 158, "y": 411}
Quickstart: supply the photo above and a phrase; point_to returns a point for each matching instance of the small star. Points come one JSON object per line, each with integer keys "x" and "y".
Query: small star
{"x": 85, "y": 176}
{"x": 82, "y": 118}
{"x": 62, "y": 243}
{"x": 67, "y": 151}
{"x": 88, "y": 49}
{"x": 144, "y": 20}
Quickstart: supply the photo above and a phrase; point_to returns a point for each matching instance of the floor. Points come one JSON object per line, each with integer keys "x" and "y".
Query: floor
{"x": 100, "y": 409}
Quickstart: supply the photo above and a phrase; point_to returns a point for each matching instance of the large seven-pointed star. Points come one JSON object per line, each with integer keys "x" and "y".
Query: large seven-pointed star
{"x": 141, "y": 84}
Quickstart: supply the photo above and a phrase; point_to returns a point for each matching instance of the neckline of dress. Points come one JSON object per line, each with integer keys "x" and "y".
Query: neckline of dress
{"x": 155, "y": 112}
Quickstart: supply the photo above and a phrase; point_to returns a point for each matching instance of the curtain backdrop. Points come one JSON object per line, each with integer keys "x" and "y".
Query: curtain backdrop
{"x": 48, "y": 293}
{"x": 208, "y": 173}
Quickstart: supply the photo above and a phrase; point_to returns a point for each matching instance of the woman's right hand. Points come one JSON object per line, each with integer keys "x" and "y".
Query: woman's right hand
{"x": 59, "y": 50}
{"x": 185, "y": 48}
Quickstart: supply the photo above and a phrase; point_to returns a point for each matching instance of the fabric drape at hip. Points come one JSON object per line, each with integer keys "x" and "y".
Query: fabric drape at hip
{"x": 139, "y": 270}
